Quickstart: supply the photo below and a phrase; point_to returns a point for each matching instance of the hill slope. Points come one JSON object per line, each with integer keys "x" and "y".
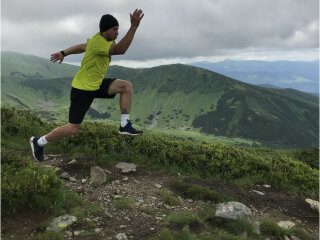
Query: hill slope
{"x": 174, "y": 97}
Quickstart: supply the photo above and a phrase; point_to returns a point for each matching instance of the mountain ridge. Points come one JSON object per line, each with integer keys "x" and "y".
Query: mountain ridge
{"x": 180, "y": 97}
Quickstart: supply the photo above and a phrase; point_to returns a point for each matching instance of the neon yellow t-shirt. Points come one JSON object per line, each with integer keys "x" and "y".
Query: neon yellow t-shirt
{"x": 94, "y": 64}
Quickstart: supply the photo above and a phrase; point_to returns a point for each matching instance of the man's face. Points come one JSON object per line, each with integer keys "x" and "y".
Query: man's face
{"x": 112, "y": 33}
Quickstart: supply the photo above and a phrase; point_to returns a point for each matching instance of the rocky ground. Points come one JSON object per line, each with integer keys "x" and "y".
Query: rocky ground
{"x": 130, "y": 204}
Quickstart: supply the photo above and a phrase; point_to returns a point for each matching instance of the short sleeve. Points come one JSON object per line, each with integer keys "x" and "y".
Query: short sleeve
{"x": 100, "y": 46}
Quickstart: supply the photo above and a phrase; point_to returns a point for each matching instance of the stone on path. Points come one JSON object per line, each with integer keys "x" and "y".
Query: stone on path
{"x": 98, "y": 177}
{"x": 157, "y": 185}
{"x": 72, "y": 161}
{"x": 64, "y": 175}
{"x": 61, "y": 222}
{"x": 313, "y": 204}
{"x": 72, "y": 179}
{"x": 258, "y": 192}
{"x": 121, "y": 236}
{"x": 126, "y": 167}
{"x": 286, "y": 224}
{"x": 233, "y": 210}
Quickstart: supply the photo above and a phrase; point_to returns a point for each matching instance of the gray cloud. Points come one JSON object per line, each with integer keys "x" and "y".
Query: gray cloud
{"x": 170, "y": 28}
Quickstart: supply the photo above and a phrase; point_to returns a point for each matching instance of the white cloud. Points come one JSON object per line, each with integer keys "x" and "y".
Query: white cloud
{"x": 171, "y": 29}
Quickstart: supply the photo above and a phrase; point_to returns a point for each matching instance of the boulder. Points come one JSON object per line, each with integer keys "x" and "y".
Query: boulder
{"x": 286, "y": 224}
{"x": 126, "y": 167}
{"x": 98, "y": 177}
{"x": 64, "y": 175}
{"x": 313, "y": 204}
{"x": 233, "y": 210}
{"x": 121, "y": 236}
{"x": 61, "y": 222}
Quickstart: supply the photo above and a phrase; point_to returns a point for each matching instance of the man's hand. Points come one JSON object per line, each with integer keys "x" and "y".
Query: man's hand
{"x": 136, "y": 17}
{"x": 57, "y": 57}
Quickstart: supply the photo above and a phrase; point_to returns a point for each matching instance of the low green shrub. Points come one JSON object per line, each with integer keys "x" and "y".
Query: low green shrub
{"x": 27, "y": 185}
{"x": 204, "y": 159}
{"x": 310, "y": 157}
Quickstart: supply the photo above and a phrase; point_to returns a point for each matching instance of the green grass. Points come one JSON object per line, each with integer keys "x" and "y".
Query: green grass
{"x": 78, "y": 212}
{"x": 148, "y": 210}
{"x": 181, "y": 219}
{"x": 202, "y": 225}
{"x": 194, "y": 191}
{"x": 94, "y": 208}
{"x": 271, "y": 228}
{"x": 168, "y": 197}
{"x": 50, "y": 235}
{"x": 123, "y": 203}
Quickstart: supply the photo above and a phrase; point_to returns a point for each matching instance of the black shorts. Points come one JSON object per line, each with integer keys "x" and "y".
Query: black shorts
{"x": 81, "y": 100}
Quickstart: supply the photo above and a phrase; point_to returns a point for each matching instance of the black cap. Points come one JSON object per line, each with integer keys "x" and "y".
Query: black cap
{"x": 107, "y": 21}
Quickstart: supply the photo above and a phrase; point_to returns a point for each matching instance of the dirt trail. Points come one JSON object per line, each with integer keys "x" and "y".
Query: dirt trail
{"x": 146, "y": 212}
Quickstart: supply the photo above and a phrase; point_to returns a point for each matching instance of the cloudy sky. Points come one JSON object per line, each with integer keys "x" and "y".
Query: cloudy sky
{"x": 171, "y": 31}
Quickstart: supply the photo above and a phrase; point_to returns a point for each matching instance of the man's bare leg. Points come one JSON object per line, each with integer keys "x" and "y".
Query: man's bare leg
{"x": 124, "y": 88}
{"x": 63, "y": 131}
{"x": 37, "y": 144}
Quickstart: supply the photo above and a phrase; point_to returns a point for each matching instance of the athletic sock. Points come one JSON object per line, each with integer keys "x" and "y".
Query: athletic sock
{"x": 42, "y": 141}
{"x": 124, "y": 119}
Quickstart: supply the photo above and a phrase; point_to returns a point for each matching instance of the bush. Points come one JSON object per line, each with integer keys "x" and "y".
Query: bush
{"x": 310, "y": 157}
{"x": 26, "y": 185}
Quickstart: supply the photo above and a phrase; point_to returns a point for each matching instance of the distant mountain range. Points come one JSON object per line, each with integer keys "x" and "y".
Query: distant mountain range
{"x": 177, "y": 96}
{"x": 299, "y": 75}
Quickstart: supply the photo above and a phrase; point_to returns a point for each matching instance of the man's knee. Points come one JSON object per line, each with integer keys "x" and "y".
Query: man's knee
{"x": 128, "y": 86}
{"x": 73, "y": 128}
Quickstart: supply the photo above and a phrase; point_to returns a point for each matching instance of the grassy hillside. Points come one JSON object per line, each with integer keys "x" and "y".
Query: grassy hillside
{"x": 23, "y": 65}
{"x": 32, "y": 193}
{"x": 174, "y": 98}
{"x": 218, "y": 161}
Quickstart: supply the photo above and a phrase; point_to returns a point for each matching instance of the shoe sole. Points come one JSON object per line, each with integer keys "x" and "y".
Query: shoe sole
{"x": 131, "y": 134}
{"x": 32, "y": 147}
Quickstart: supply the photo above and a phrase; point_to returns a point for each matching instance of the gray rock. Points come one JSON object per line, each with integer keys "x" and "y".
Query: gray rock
{"x": 98, "y": 177}
{"x": 233, "y": 210}
{"x": 286, "y": 224}
{"x": 294, "y": 238}
{"x": 97, "y": 230}
{"x": 69, "y": 233}
{"x": 121, "y": 236}
{"x": 64, "y": 175}
{"x": 313, "y": 204}
{"x": 83, "y": 181}
{"x": 126, "y": 167}
{"x": 157, "y": 185}
{"x": 62, "y": 222}
{"x": 76, "y": 233}
{"x": 258, "y": 192}
{"x": 72, "y": 179}
{"x": 72, "y": 161}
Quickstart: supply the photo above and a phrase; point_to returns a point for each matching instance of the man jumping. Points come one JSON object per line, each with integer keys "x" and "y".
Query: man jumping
{"x": 89, "y": 82}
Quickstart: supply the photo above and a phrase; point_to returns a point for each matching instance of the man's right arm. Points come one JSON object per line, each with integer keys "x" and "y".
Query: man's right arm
{"x": 124, "y": 43}
{"x": 59, "y": 56}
